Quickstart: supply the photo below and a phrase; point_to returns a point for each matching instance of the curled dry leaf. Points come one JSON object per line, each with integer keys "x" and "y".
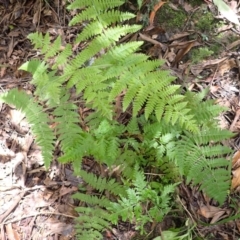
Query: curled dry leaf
{"x": 208, "y": 211}
{"x": 198, "y": 68}
{"x": 236, "y": 170}
{"x": 235, "y": 179}
{"x": 153, "y": 12}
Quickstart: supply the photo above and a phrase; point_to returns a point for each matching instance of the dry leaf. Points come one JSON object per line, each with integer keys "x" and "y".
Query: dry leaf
{"x": 227, "y": 65}
{"x": 198, "y": 68}
{"x": 235, "y": 179}
{"x": 209, "y": 211}
{"x": 236, "y": 160}
{"x": 183, "y": 51}
{"x": 233, "y": 45}
{"x": 11, "y": 233}
{"x": 153, "y": 12}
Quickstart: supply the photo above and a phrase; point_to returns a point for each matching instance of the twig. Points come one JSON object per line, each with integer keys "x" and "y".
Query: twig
{"x": 15, "y": 203}
{"x": 148, "y": 39}
{"x": 36, "y": 214}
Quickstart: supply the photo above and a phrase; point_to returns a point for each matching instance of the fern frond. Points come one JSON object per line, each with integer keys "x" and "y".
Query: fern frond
{"x": 92, "y": 200}
{"x": 179, "y": 112}
{"x": 101, "y": 184}
{"x": 48, "y": 86}
{"x": 204, "y": 164}
{"x": 62, "y": 57}
{"x": 92, "y": 221}
{"x": 52, "y": 49}
{"x": 206, "y": 110}
{"x": 113, "y": 34}
{"x": 70, "y": 134}
{"x": 96, "y": 4}
{"x": 37, "y": 118}
{"x": 44, "y": 44}
{"x": 96, "y": 27}
{"x": 39, "y": 40}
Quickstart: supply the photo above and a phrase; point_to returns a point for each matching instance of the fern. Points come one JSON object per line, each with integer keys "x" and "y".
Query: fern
{"x": 95, "y": 218}
{"x": 204, "y": 164}
{"x": 48, "y": 85}
{"x": 37, "y": 118}
{"x": 91, "y": 222}
{"x": 129, "y": 207}
{"x": 172, "y": 133}
{"x": 101, "y": 184}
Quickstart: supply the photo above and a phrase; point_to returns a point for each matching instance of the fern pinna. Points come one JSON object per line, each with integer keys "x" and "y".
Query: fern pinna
{"x": 172, "y": 133}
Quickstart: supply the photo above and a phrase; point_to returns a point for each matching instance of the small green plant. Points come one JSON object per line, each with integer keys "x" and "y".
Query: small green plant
{"x": 172, "y": 134}
{"x": 197, "y": 55}
{"x": 195, "y": 3}
{"x": 176, "y": 19}
{"x": 204, "y": 21}
{"x": 141, "y": 193}
{"x": 184, "y": 233}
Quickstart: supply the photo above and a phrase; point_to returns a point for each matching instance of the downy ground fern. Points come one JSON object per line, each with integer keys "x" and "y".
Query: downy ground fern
{"x": 167, "y": 132}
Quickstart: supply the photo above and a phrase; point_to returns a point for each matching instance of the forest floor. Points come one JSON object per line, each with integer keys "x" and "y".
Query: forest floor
{"x": 199, "y": 47}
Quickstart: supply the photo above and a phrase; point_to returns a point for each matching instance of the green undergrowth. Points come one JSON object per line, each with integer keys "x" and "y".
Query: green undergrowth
{"x": 176, "y": 18}
{"x": 204, "y": 21}
{"x": 142, "y": 130}
{"x": 199, "y": 54}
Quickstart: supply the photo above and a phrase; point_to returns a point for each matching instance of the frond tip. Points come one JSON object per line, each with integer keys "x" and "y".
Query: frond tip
{"x": 36, "y": 118}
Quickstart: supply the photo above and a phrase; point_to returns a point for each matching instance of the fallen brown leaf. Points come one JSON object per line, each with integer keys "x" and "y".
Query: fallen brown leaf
{"x": 236, "y": 160}
{"x": 235, "y": 178}
{"x": 153, "y": 12}
{"x": 11, "y": 233}
{"x": 213, "y": 212}
{"x": 183, "y": 51}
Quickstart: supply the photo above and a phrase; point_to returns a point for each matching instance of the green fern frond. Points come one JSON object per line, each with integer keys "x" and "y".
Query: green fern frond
{"x": 53, "y": 48}
{"x": 212, "y": 134}
{"x": 179, "y": 112}
{"x": 96, "y": 27}
{"x": 204, "y": 164}
{"x": 130, "y": 94}
{"x": 77, "y": 4}
{"x": 70, "y": 134}
{"x": 205, "y": 110}
{"x": 39, "y": 40}
{"x": 48, "y": 86}
{"x": 62, "y": 57}
{"x": 44, "y": 43}
{"x": 101, "y": 184}
{"x": 37, "y": 118}
{"x": 36, "y": 68}
{"x": 92, "y": 221}
{"x": 83, "y": 77}
{"x": 92, "y": 200}
{"x": 164, "y": 124}
{"x": 133, "y": 126}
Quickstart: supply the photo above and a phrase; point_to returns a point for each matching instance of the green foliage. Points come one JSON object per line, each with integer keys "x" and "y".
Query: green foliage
{"x": 176, "y": 19}
{"x": 195, "y": 3}
{"x": 130, "y": 207}
{"x": 166, "y": 132}
{"x": 205, "y": 21}
{"x": 37, "y": 118}
{"x": 197, "y": 55}
{"x": 184, "y": 233}
{"x": 204, "y": 164}
{"x": 95, "y": 218}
